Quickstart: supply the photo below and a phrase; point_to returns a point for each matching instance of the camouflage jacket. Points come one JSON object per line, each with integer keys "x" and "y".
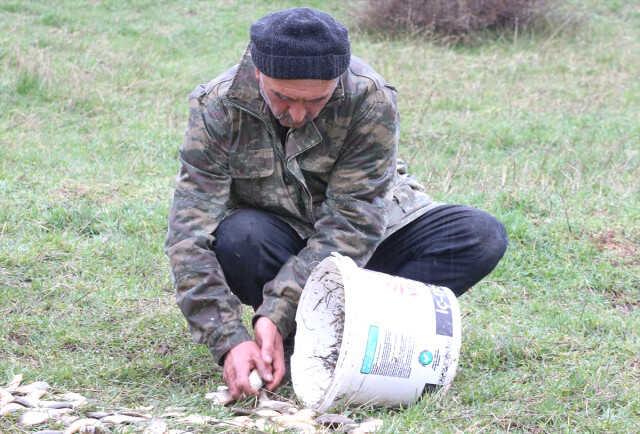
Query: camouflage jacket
{"x": 335, "y": 181}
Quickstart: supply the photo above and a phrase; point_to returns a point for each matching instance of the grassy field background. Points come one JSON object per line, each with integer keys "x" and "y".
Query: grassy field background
{"x": 541, "y": 130}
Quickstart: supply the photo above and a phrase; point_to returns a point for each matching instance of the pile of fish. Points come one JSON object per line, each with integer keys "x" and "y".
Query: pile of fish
{"x": 35, "y": 407}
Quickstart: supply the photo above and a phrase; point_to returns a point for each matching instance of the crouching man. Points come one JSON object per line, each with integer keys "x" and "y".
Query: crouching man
{"x": 289, "y": 156}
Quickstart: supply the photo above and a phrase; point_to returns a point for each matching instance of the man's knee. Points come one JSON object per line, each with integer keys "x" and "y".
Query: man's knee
{"x": 492, "y": 238}
{"x": 240, "y": 235}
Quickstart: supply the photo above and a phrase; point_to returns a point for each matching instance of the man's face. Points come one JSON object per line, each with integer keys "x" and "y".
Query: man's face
{"x": 295, "y": 102}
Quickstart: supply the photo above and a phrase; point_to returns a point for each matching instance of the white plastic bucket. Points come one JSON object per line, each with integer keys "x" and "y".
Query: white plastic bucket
{"x": 399, "y": 336}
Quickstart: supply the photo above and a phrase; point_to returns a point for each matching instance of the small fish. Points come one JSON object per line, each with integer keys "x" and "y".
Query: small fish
{"x": 5, "y": 397}
{"x": 30, "y": 388}
{"x": 335, "y": 421}
{"x": 303, "y": 416}
{"x": 267, "y": 412}
{"x": 58, "y": 413}
{"x": 55, "y": 404}
{"x": 33, "y": 417}
{"x": 156, "y": 426}
{"x": 98, "y": 414}
{"x": 83, "y": 425}
{"x": 240, "y": 421}
{"x": 68, "y": 419}
{"x": 263, "y": 424}
{"x": 36, "y": 394}
{"x": 135, "y": 413}
{"x": 221, "y": 398}
{"x": 120, "y": 419}
{"x": 196, "y": 419}
{"x": 280, "y": 406}
{"x": 11, "y": 408}
{"x": 14, "y": 383}
{"x": 76, "y": 399}
{"x": 368, "y": 426}
{"x": 172, "y": 414}
{"x": 26, "y": 401}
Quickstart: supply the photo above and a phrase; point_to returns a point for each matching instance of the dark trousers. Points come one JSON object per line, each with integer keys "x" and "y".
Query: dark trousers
{"x": 451, "y": 245}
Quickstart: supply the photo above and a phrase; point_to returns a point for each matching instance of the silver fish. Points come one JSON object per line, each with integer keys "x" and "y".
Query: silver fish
{"x": 11, "y": 408}
{"x": 14, "y": 383}
{"x": 335, "y": 421}
{"x": 5, "y": 397}
{"x": 30, "y": 388}
{"x": 120, "y": 419}
{"x": 156, "y": 426}
{"x": 83, "y": 425}
{"x": 34, "y": 417}
{"x": 368, "y": 426}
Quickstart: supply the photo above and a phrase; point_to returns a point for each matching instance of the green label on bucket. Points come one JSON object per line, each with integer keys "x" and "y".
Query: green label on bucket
{"x": 425, "y": 358}
{"x": 370, "y": 350}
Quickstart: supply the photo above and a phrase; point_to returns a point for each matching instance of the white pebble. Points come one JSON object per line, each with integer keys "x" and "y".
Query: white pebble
{"x": 255, "y": 381}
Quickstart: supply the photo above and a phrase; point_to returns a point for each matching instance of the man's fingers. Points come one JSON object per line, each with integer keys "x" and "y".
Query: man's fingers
{"x": 267, "y": 351}
{"x": 240, "y": 383}
{"x": 230, "y": 379}
{"x": 278, "y": 370}
{"x": 264, "y": 369}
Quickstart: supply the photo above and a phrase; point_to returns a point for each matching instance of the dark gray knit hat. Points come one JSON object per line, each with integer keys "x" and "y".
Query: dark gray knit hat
{"x": 300, "y": 43}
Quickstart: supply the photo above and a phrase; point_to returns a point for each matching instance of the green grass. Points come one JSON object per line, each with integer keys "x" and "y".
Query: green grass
{"x": 541, "y": 130}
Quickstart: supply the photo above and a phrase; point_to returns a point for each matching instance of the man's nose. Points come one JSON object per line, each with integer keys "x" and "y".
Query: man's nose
{"x": 297, "y": 113}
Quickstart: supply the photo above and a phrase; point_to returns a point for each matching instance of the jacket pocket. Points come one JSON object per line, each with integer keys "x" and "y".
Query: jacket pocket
{"x": 251, "y": 163}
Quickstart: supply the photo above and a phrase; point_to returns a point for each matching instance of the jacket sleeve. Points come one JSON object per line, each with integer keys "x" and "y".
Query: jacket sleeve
{"x": 200, "y": 202}
{"x": 352, "y": 219}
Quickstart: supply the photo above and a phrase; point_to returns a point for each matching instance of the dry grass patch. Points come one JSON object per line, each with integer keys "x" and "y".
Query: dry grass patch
{"x": 623, "y": 251}
{"x": 455, "y": 21}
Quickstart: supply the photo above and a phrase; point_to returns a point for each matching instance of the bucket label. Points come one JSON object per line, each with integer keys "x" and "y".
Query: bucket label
{"x": 387, "y": 353}
{"x": 444, "y": 318}
{"x": 370, "y": 350}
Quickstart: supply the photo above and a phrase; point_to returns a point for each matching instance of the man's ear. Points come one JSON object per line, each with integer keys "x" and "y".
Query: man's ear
{"x": 257, "y": 74}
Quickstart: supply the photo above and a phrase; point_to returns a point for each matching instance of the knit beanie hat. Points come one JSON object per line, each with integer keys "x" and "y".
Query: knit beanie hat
{"x": 300, "y": 43}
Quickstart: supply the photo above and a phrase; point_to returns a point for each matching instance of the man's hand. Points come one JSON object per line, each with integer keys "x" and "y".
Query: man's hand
{"x": 269, "y": 340}
{"x": 239, "y": 362}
